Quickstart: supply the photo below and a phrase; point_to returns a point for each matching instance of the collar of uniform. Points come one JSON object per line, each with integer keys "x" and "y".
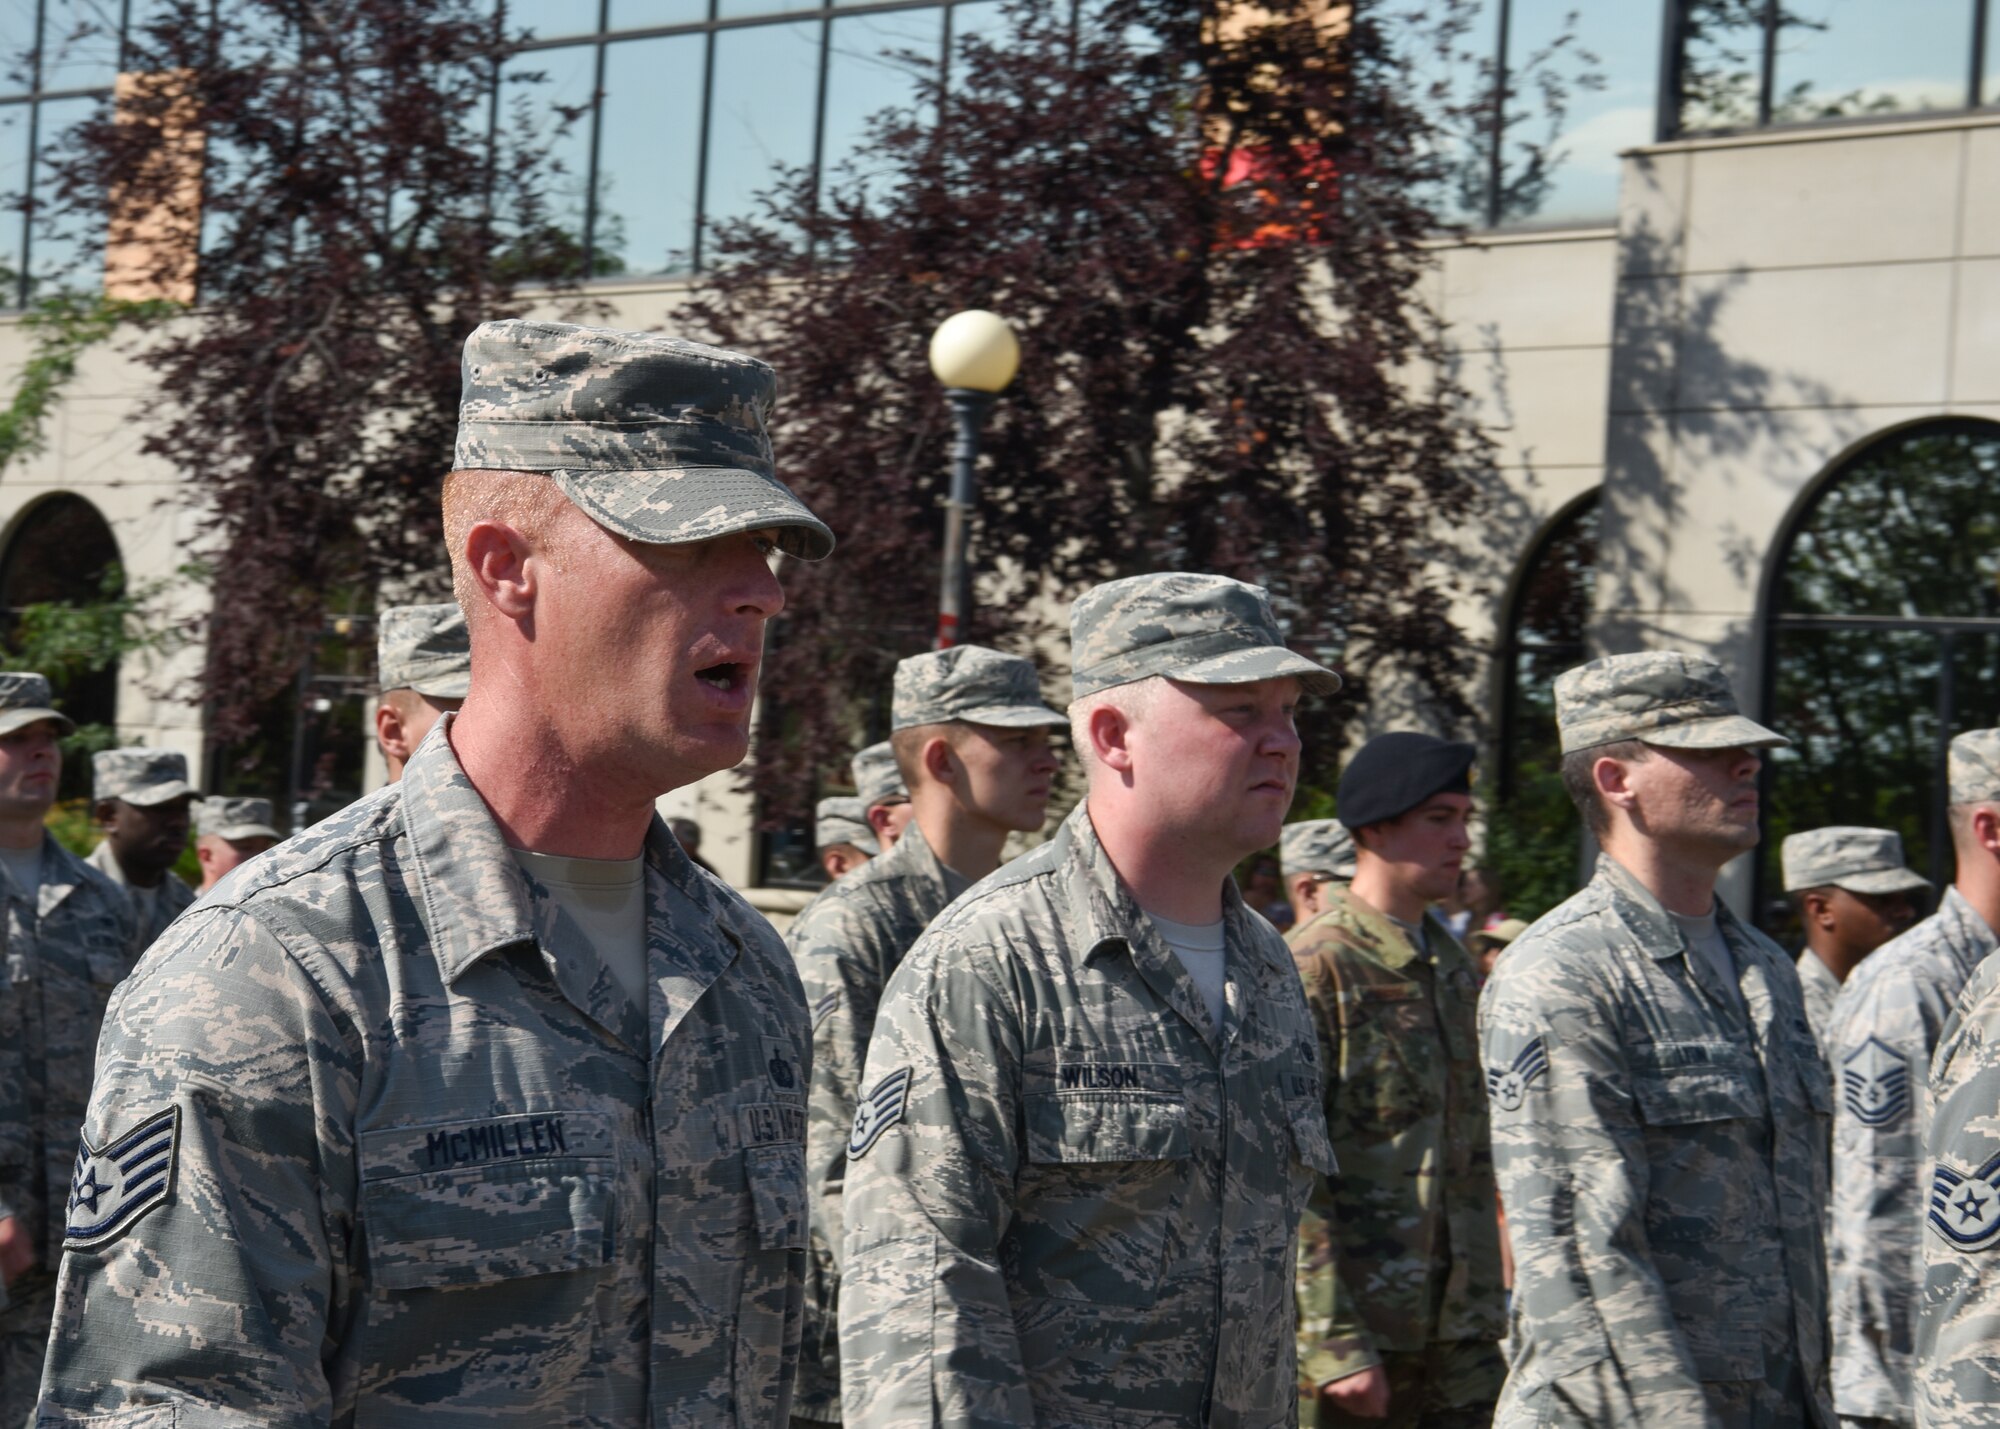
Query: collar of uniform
{"x": 62, "y": 872}
{"x": 1970, "y": 939}
{"x": 106, "y": 862}
{"x": 913, "y": 857}
{"x": 1380, "y": 935}
{"x": 475, "y": 896}
{"x": 1658, "y": 933}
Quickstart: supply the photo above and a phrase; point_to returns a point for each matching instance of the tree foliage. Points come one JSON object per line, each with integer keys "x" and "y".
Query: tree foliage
{"x": 1209, "y": 226}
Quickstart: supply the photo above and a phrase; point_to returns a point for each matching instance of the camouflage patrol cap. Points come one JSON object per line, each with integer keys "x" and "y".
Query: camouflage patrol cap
{"x": 1972, "y": 768}
{"x": 1322, "y": 846}
{"x": 25, "y": 698}
{"x": 425, "y": 648}
{"x": 1859, "y": 860}
{"x": 139, "y": 776}
{"x": 843, "y": 819}
{"x": 972, "y": 684}
{"x": 1658, "y": 697}
{"x": 227, "y": 818}
{"x": 1205, "y": 630}
{"x": 876, "y": 776}
{"x": 658, "y": 439}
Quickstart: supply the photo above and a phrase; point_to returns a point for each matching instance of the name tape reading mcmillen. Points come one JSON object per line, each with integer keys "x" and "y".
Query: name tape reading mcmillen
{"x": 514, "y": 1140}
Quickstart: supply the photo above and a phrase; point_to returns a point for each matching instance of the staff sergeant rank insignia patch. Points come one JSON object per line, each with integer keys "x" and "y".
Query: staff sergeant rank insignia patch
{"x": 112, "y": 1188}
{"x": 1965, "y": 1210}
{"x": 1875, "y": 1082}
{"x": 879, "y": 1110}
{"x": 1509, "y": 1087}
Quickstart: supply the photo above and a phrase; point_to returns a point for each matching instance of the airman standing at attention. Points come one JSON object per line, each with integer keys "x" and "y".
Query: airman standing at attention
{"x": 879, "y": 783}
{"x": 1091, "y": 1116}
{"x": 142, "y": 799}
{"x": 423, "y": 658}
{"x": 1660, "y": 1111}
{"x": 228, "y": 832}
{"x": 1313, "y": 853}
{"x": 1402, "y": 1302}
{"x": 842, "y": 840}
{"x": 971, "y": 735}
{"x": 1853, "y": 893}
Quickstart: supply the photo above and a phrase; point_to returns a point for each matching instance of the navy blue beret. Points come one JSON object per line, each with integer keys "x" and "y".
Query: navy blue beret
{"x": 1393, "y": 773}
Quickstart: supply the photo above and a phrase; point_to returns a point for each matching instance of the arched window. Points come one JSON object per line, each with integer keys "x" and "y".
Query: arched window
{"x": 1883, "y": 636}
{"x": 62, "y": 553}
{"x": 1531, "y": 827}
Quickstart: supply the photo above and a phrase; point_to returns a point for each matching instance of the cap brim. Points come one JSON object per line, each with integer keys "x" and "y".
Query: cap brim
{"x": 12, "y": 720}
{"x": 1263, "y": 662}
{"x": 1716, "y": 732}
{"x": 687, "y": 504}
{"x": 246, "y": 831}
{"x": 1881, "y": 880}
{"x": 1013, "y": 716}
{"x": 146, "y": 798}
{"x": 452, "y": 687}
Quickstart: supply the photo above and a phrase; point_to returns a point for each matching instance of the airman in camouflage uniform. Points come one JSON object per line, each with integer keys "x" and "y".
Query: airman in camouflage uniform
{"x": 849, "y": 941}
{"x": 879, "y": 784}
{"x": 1949, "y": 1334}
{"x": 1853, "y": 893}
{"x": 1400, "y": 1262}
{"x": 1659, "y": 1108}
{"x": 1313, "y": 853}
{"x": 153, "y": 787}
{"x": 1075, "y": 1174}
{"x": 423, "y": 662}
{"x": 379, "y": 1134}
{"x": 841, "y": 836}
{"x": 67, "y": 933}
{"x": 228, "y": 832}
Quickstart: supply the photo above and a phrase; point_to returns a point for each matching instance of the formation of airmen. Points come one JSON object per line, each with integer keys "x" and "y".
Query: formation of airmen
{"x": 483, "y": 1102}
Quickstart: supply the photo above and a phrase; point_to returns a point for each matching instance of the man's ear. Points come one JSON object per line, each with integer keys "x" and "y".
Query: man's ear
{"x": 1986, "y": 828}
{"x": 500, "y": 559}
{"x": 878, "y": 820}
{"x": 1816, "y": 910}
{"x": 105, "y": 811}
{"x": 389, "y": 731}
{"x": 1614, "y": 782}
{"x": 1109, "y": 730}
{"x": 939, "y": 762}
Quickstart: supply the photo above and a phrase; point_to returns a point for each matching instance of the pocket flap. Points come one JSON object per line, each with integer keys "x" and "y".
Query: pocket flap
{"x": 492, "y": 1223}
{"x": 1309, "y": 1136}
{"x": 778, "y": 1194}
{"x": 1694, "y": 1083}
{"x": 1105, "y": 1128}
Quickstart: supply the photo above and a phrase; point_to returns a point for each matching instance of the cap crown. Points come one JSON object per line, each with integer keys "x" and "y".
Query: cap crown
{"x": 876, "y": 777}
{"x": 1321, "y": 846}
{"x": 842, "y": 819}
{"x": 218, "y": 813}
{"x": 425, "y": 648}
{"x": 138, "y": 776}
{"x": 25, "y": 690}
{"x": 1141, "y": 626}
{"x": 966, "y": 682}
{"x": 1632, "y": 696}
{"x": 1972, "y": 767}
{"x": 1831, "y": 855}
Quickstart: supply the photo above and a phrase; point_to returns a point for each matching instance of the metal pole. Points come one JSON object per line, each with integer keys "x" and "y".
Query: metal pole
{"x": 297, "y": 778}
{"x": 968, "y": 410}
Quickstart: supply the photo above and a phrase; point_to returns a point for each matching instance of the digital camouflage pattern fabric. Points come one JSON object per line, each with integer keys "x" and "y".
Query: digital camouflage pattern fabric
{"x": 139, "y": 776}
{"x": 1206, "y": 630}
{"x": 151, "y": 916}
{"x": 657, "y": 438}
{"x": 876, "y": 778}
{"x": 25, "y": 697}
{"x": 1886, "y": 1025}
{"x": 969, "y": 683}
{"x": 1857, "y": 859}
{"x": 425, "y": 648}
{"x": 848, "y": 943}
{"x": 68, "y": 944}
{"x": 1664, "y": 1171}
{"x": 843, "y": 819}
{"x": 1069, "y": 1200}
{"x": 1402, "y": 1249}
{"x": 1656, "y": 696}
{"x": 1972, "y": 767}
{"x": 1322, "y": 846}
{"x": 425, "y": 1159}
{"x": 1821, "y": 990}
{"x": 227, "y": 818}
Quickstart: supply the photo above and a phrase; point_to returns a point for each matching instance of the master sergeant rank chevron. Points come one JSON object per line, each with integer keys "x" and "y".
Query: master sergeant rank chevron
{"x": 112, "y": 1188}
{"x": 1875, "y": 1082}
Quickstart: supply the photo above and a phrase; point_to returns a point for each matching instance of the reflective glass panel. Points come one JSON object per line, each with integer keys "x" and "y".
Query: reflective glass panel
{"x": 552, "y": 19}
{"x": 1722, "y": 63}
{"x": 875, "y": 65}
{"x": 1847, "y": 58}
{"x": 643, "y": 14}
{"x": 82, "y": 44}
{"x": 1452, "y": 61}
{"x": 1600, "y": 65}
{"x": 17, "y": 39}
{"x": 982, "y": 18}
{"x": 13, "y": 182}
{"x": 732, "y": 9}
{"x": 761, "y": 114}
{"x": 1990, "y": 71}
{"x": 648, "y": 154}
{"x": 57, "y": 256}
{"x": 546, "y": 95}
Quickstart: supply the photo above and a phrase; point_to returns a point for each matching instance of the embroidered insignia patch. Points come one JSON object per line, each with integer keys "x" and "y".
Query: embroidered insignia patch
{"x": 823, "y": 1009}
{"x": 879, "y": 1110}
{"x": 1875, "y": 1084}
{"x": 784, "y": 1072}
{"x": 112, "y": 1188}
{"x": 1965, "y": 1210}
{"x": 1509, "y": 1087}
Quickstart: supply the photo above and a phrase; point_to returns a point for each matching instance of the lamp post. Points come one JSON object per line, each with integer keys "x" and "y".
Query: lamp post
{"x": 975, "y": 356}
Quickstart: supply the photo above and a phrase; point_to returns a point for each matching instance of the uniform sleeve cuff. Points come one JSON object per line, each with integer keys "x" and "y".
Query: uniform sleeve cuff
{"x": 1328, "y": 1360}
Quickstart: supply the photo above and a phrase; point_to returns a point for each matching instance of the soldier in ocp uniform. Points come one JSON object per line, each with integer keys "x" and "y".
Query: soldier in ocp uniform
{"x": 971, "y": 735}
{"x": 1312, "y": 854}
{"x": 66, "y": 932}
{"x": 142, "y": 800}
{"x": 423, "y": 661}
{"x": 1944, "y": 1371}
{"x": 1852, "y": 892}
{"x": 1402, "y": 1303}
{"x": 478, "y": 1102}
{"x": 1660, "y": 1111}
{"x": 879, "y": 784}
{"x": 1090, "y": 1116}
{"x": 229, "y": 832}
{"x": 842, "y": 840}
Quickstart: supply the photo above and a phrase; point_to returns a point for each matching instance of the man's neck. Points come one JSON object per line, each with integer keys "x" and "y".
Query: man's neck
{"x": 542, "y": 799}
{"x": 1175, "y": 877}
{"x": 1838, "y": 960}
{"x": 1978, "y": 883}
{"x": 21, "y": 831}
{"x": 1375, "y": 885}
{"x": 963, "y": 841}
{"x": 1683, "y": 884}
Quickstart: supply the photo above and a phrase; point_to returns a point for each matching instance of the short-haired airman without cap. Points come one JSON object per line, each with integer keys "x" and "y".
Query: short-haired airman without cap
{"x": 1660, "y": 1111}
{"x": 1090, "y": 1116}
{"x": 465, "y": 1101}
{"x": 1852, "y": 892}
{"x": 229, "y": 832}
{"x": 142, "y": 799}
{"x": 970, "y": 736}
{"x": 423, "y": 663}
{"x": 879, "y": 783}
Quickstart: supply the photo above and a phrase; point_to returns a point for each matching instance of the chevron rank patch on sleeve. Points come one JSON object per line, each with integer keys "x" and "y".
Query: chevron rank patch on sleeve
{"x": 1875, "y": 1082}
{"x": 1508, "y": 1086}
{"x": 879, "y": 1110}
{"x": 1965, "y": 1209}
{"x": 112, "y": 1188}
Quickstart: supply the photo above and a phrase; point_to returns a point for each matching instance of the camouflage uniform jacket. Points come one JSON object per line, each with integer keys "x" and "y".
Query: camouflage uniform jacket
{"x": 168, "y": 902}
{"x": 1402, "y": 1248}
{"x": 65, "y": 952}
{"x": 1885, "y": 1028}
{"x": 1955, "y": 1370}
{"x": 847, "y": 942}
{"x": 1664, "y": 1171}
{"x": 1822, "y": 990}
{"x": 1070, "y": 1202}
{"x": 429, "y": 1161}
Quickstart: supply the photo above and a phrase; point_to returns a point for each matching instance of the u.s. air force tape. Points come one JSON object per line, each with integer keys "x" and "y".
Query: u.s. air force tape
{"x": 112, "y": 1188}
{"x": 879, "y": 1110}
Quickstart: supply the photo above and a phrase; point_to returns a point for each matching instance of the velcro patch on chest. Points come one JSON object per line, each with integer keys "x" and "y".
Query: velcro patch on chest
{"x": 879, "y": 1110}
{"x": 1965, "y": 1209}
{"x": 110, "y": 1189}
{"x": 1508, "y": 1085}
